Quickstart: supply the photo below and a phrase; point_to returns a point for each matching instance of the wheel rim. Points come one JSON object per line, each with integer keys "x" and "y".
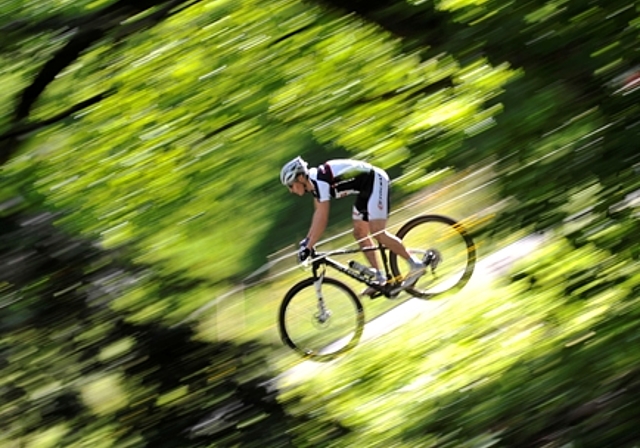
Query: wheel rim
{"x": 322, "y": 337}
{"x": 454, "y": 248}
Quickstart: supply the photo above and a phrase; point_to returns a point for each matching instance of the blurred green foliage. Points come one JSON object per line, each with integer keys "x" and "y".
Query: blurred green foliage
{"x": 157, "y": 130}
{"x": 202, "y": 122}
{"x": 542, "y": 359}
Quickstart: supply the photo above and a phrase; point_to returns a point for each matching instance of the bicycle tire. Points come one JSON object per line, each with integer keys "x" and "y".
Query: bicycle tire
{"x": 338, "y": 297}
{"x": 453, "y": 243}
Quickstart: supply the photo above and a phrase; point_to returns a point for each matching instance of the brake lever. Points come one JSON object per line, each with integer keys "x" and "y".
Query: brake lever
{"x": 307, "y": 262}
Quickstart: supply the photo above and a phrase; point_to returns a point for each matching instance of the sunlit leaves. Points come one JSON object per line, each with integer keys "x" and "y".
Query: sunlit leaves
{"x": 104, "y": 394}
{"x": 201, "y": 94}
{"x": 547, "y": 11}
{"x": 515, "y": 355}
{"x": 182, "y": 164}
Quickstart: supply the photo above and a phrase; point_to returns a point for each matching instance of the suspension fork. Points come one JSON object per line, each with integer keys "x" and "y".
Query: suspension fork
{"x": 323, "y": 313}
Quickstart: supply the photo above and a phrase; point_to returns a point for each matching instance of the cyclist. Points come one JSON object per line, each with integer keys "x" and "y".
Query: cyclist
{"x": 370, "y": 184}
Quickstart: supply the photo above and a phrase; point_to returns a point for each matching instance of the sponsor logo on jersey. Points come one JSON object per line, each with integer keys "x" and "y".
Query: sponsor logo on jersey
{"x": 343, "y": 193}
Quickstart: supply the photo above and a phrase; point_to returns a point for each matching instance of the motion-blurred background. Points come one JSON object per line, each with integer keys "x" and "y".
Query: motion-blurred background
{"x": 146, "y": 242}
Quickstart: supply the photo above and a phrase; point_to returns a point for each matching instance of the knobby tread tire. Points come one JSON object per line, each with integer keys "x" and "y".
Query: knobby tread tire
{"x": 460, "y": 229}
{"x": 309, "y": 282}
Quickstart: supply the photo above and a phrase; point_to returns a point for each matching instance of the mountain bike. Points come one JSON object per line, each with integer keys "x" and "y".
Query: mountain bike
{"x": 322, "y": 317}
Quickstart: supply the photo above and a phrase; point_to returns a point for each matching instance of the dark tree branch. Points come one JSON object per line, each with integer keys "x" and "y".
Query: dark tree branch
{"x": 10, "y": 140}
{"x": 426, "y": 90}
{"x": 225, "y": 127}
{"x": 91, "y": 29}
{"x": 419, "y": 25}
{"x": 69, "y": 53}
{"x": 154, "y": 18}
{"x": 23, "y": 130}
{"x": 291, "y": 34}
{"x": 27, "y": 27}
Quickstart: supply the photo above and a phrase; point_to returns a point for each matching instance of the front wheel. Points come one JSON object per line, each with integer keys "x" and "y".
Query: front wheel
{"x": 321, "y": 325}
{"x": 446, "y": 245}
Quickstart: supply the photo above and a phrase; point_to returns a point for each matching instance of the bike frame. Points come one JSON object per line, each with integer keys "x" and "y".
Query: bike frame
{"x": 322, "y": 313}
{"x": 322, "y": 259}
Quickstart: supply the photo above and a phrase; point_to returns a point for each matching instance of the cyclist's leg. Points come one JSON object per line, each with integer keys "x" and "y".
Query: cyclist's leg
{"x": 378, "y": 210}
{"x": 416, "y": 267}
{"x": 362, "y": 235}
{"x": 390, "y": 241}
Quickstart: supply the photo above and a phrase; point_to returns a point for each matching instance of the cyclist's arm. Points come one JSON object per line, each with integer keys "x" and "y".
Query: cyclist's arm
{"x": 318, "y": 222}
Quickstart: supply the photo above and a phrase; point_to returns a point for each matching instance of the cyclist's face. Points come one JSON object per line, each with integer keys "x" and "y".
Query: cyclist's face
{"x": 297, "y": 187}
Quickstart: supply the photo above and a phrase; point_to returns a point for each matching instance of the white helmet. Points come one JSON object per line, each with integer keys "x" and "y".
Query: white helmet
{"x": 291, "y": 170}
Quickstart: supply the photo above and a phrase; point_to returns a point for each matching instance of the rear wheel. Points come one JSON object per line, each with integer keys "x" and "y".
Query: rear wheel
{"x": 445, "y": 245}
{"x": 321, "y": 329}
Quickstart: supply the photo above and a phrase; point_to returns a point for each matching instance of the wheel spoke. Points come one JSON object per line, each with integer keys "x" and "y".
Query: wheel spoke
{"x": 450, "y": 245}
{"x": 305, "y": 328}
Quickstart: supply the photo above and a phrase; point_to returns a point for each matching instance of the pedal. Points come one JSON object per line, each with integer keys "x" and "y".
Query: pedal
{"x": 395, "y": 293}
{"x": 432, "y": 259}
{"x": 394, "y": 290}
{"x": 371, "y": 292}
{"x": 375, "y": 295}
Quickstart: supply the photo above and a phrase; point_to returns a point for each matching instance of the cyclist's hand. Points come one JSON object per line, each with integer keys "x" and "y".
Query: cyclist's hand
{"x": 303, "y": 250}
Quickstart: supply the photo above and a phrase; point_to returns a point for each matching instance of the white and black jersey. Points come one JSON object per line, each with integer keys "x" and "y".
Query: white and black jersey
{"x": 344, "y": 177}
